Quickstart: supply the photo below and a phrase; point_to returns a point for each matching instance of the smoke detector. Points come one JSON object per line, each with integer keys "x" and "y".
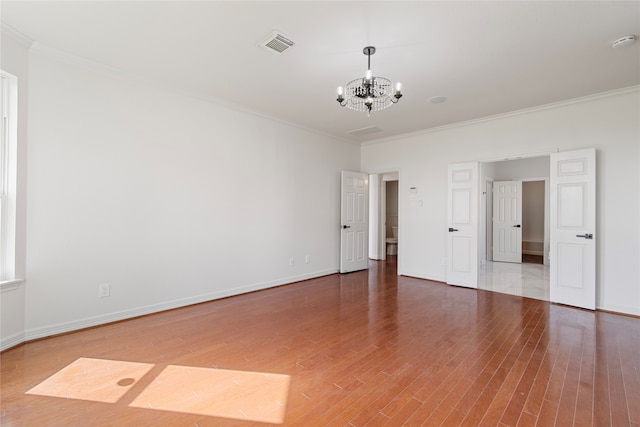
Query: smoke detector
{"x": 276, "y": 42}
{"x": 623, "y": 41}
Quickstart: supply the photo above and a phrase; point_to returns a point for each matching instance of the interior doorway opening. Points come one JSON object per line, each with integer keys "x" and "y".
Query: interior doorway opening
{"x": 384, "y": 215}
{"x": 571, "y": 277}
{"x": 528, "y": 273}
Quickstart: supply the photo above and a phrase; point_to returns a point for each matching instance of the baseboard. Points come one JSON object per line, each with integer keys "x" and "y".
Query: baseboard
{"x": 11, "y": 341}
{"x": 65, "y": 327}
{"x": 616, "y": 309}
{"x": 530, "y": 252}
{"x": 423, "y": 276}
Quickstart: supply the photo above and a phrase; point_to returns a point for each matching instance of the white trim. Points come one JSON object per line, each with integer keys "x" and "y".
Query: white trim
{"x": 382, "y": 244}
{"x": 518, "y": 156}
{"x": 8, "y": 30}
{"x": 618, "y": 309}
{"x": 10, "y": 285}
{"x": 544, "y": 107}
{"x": 32, "y": 334}
{"x": 8, "y": 216}
{"x": 158, "y": 84}
{"x": 423, "y": 276}
{"x": 12, "y": 341}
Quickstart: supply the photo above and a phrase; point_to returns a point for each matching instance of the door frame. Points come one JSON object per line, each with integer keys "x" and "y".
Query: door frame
{"x": 489, "y": 196}
{"x": 549, "y": 203}
{"x": 375, "y": 213}
{"x": 486, "y": 235}
{"x": 380, "y": 206}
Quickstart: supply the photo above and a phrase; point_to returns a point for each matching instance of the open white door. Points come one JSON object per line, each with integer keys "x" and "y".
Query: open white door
{"x": 507, "y": 221}
{"x": 573, "y": 223}
{"x": 354, "y": 232}
{"x": 462, "y": 215}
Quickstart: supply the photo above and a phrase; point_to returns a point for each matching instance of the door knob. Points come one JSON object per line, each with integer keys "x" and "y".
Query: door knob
{"x": 451, "y": 230}
{"x": 586, "y": 235}
{"x": 517, "y": 226}
{"x": 346, "y": 226}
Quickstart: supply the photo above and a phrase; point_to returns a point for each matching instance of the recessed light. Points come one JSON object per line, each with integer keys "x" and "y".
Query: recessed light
{"x": 623, "y": 41}
{"x": 437, "y": 99}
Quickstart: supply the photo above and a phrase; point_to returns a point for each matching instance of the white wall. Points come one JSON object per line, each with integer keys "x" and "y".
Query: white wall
{"x": 392, "y": 207}
{"x": 375, "y": 209}
{"x": 533, "y": 201}
{"x": 610, "y": 123}
{"x": 169, "y": 199}
{"x": 173, "y": 200}
{"x": 15, "y": 60}
{"x": 519, "y": 169}
{"x": 487, "y": 176}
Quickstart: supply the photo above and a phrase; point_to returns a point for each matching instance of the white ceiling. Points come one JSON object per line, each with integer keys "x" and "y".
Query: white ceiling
{"x": 486, "y": 58}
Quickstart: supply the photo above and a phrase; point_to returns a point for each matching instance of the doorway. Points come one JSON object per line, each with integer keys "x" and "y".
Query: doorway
{"x": 384, "y": 215}
{"x": 528, "y": 273}
{"x": 572, "y": 226}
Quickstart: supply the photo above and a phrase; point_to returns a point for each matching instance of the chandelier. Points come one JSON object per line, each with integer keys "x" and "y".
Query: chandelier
{"x": 369, "y": 93}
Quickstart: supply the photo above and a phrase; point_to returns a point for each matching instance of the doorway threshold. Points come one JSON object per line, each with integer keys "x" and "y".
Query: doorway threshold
{"x": 525, "y": 280}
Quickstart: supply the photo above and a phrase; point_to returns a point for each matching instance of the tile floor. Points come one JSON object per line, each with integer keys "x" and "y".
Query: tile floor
{"x": 527, "y": 280}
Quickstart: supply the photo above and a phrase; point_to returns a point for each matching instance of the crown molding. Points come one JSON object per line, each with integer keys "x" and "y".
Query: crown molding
{"x": 8, "y": 30}
{"x": 551, "y": 106}
{"x": 72, "y": 59}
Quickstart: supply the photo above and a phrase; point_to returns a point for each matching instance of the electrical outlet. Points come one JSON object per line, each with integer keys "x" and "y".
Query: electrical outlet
{"x": 291, "y": 261}
{"x": 103, "y": 290}
{"x": 307, "y": 258}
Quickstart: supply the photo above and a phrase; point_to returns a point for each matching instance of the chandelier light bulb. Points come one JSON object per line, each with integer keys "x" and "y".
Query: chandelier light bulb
{"x": 368, "y": 75}
{"x": 340, "y": 90}
{"x": 398, "y": 87}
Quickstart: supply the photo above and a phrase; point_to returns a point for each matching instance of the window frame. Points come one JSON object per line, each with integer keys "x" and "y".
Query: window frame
{"x": 8, "y": 175}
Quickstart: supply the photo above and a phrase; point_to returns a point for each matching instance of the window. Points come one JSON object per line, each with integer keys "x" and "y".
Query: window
{"x": 8, "y": 176}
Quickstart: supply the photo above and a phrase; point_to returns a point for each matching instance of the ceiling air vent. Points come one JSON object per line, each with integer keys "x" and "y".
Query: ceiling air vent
{"x": 276, "y": 42}
{"x": 365, "y": 131}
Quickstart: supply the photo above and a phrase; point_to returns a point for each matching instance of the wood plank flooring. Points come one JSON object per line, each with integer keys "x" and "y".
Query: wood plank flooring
{"x": 362, "y": 349}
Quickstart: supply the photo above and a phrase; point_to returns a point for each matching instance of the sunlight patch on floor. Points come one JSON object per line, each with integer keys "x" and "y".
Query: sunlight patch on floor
{"x": 242, "y": 395}
{"x": 93, "y": 379}
{"x": 253, "y": 396}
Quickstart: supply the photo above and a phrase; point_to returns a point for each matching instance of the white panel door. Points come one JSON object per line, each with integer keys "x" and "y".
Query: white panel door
{"x": 354, "y": 229}
{"x": 573, "y": 223}
{"x": 462, "y": 215}
{"x": 507, "y": 221}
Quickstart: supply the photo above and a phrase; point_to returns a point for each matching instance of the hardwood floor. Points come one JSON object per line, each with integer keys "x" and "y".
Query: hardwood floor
{"x": 366, "y": 348}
